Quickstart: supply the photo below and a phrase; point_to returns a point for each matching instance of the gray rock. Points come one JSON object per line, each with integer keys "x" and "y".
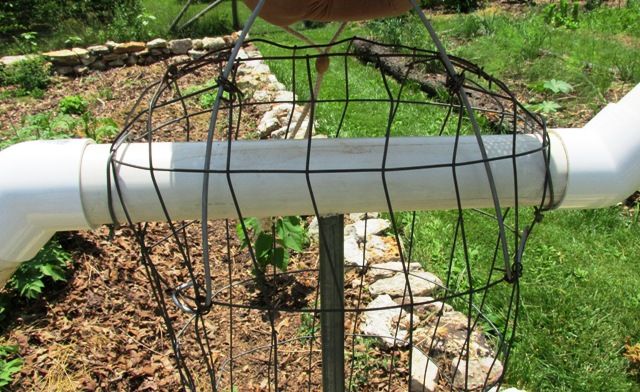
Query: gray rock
{"x": 98, "y": 65}
{"x": 353, "y": 255}
{"x": 213, "y": 43}
{"x": 267, "y": 126}
{"x": 284, "y": 96}
{"x": 9, "y": 60}
{"x": 196, "y": 54}
{"x": 390, "y": 268}
{"x": 157, "y": 43}
{"x": 115, "y": 56}
{"x": 261, "y": 96}
{"x": 373, "y": 226}
{"x": 197, "y": 44}
{"x": 157, "y": 52}
{"x": 98, "y": 50}
{"x": 357, "y": 216}
{"x": 451, "y": 335}
{"x": 481, "y": 372}
{"x": 110, "y": 45}
{"x": 180, "y": 46}
{"x": 80, "y": 69}
{"x": 424, "y": 372}
{"x": 422, "y": 284}
{"x": 116, "y": 63}
{"x": 64, "y": 70}
{"x": 383, "y": 323}
{"x": 313, "y": 231}
{"x": 425, "y": 305}
{"x": 132, "y": 59}
{"x": 88, "y": 60}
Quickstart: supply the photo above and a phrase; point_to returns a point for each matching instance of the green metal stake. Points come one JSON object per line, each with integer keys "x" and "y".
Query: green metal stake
{"x": 332, "y": 298}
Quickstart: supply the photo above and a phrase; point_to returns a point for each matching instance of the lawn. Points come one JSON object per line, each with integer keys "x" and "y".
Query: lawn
{"x": 580, "y": 289}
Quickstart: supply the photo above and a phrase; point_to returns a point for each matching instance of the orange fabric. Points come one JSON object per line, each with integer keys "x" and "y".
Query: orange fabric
{"x": 286, "y": 12}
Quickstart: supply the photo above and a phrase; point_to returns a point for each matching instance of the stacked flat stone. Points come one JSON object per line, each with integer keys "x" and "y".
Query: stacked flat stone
{"x": 79, "y": 61}
{"x": 439, "y": 331}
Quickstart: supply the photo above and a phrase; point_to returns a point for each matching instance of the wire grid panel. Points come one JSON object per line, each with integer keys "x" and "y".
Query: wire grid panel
{"x": 234, "y": 328}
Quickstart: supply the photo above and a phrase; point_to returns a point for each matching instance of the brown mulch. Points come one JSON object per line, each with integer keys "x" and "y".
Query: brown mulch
{"x": 102, "y": 331}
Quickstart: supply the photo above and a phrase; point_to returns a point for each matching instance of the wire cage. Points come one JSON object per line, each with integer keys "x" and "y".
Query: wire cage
{"x": 242, "y": 315}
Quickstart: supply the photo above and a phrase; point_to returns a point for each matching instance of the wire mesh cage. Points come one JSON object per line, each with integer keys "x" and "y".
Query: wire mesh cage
{"x": 427, "y": 297}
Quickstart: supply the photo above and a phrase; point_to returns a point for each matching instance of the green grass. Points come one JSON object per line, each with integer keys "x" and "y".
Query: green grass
{"x": 581, "y": 282}
{"x": 580, "y": 288}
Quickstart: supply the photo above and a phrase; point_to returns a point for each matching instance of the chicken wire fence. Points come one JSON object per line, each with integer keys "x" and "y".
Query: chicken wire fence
{"x": 240, "y": 296}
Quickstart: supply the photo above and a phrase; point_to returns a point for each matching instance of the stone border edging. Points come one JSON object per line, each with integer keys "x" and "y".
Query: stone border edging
{"x": 79, "y": 61}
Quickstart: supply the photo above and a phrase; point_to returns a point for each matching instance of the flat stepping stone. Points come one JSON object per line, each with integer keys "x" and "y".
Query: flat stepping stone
{"x": 382, "y": 323}
{"x": 448, "y": 333}
{"x": 427, "y": 305}
{"x": 390, "y": 268}
{"x": 424, "y": 372}
{"x": 373, "y": 227}
{"x": 482, "y": 372}
{"x": 422, "y": 284}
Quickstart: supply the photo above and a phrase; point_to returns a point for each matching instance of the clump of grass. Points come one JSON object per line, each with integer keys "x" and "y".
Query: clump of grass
{"x": 30, "y": 77}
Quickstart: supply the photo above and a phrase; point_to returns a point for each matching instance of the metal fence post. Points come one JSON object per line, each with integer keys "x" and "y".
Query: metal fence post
{"x": 332, "y": 298}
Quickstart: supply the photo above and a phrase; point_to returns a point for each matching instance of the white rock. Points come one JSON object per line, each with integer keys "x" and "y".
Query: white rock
{"x": 157, "y": 43}
{"x": 382, "y": 323}
{"x": 261, "y": 96}
{"x": 180, "y": 46}
{"x": 268, "y": 126}
{"x": 424, "y": 372}
{"x": 196, "y": 54}
{"x": 197, "y": 44}
{"x": 313, "y": 231}
{"x": 373, "y": 226}
{"x": 357, "y": 216}
{"x": 284, "y": 96}
{"x": 422, "y": 284}
{"x": 482, "y": 372}
{"x": 98, "y": 50}
{"x": 353, "y": 255}
{"x": 451, "y": 336}
{"x": 215, "y": 43}
{"x": 8, "y": 60}
{"x": 390, "y": 268}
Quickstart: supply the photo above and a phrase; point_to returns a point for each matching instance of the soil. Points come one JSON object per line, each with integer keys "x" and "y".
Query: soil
{"x": 102, "y": 330}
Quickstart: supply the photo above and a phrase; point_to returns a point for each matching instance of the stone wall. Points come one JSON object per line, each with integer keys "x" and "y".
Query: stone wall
{"x": 79, "y": 61}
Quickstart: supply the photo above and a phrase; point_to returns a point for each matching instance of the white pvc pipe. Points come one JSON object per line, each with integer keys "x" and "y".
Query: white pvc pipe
{"x": 48, "y": 186}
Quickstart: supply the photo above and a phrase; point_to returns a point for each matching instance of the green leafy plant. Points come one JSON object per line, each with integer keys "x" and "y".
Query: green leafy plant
{"x": 10, "y": 364}
{"x": 73, "y": 104}
{"x": 273, "y": 245}
{"x": 545, "y": 107}
{"x": 557, "y": 86}
{"x": 366, "y": 360}
{"x": 27, "y": 42}
{"x": 50, "y": 263}
{"x": 30, "y": 76}
{"x": 42, "y": 126}
{"x": 562, "y": 14}
{"x": 101, "y": 128}
{"x": 309, "y": 326}
{"x": 72, "y": 40}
